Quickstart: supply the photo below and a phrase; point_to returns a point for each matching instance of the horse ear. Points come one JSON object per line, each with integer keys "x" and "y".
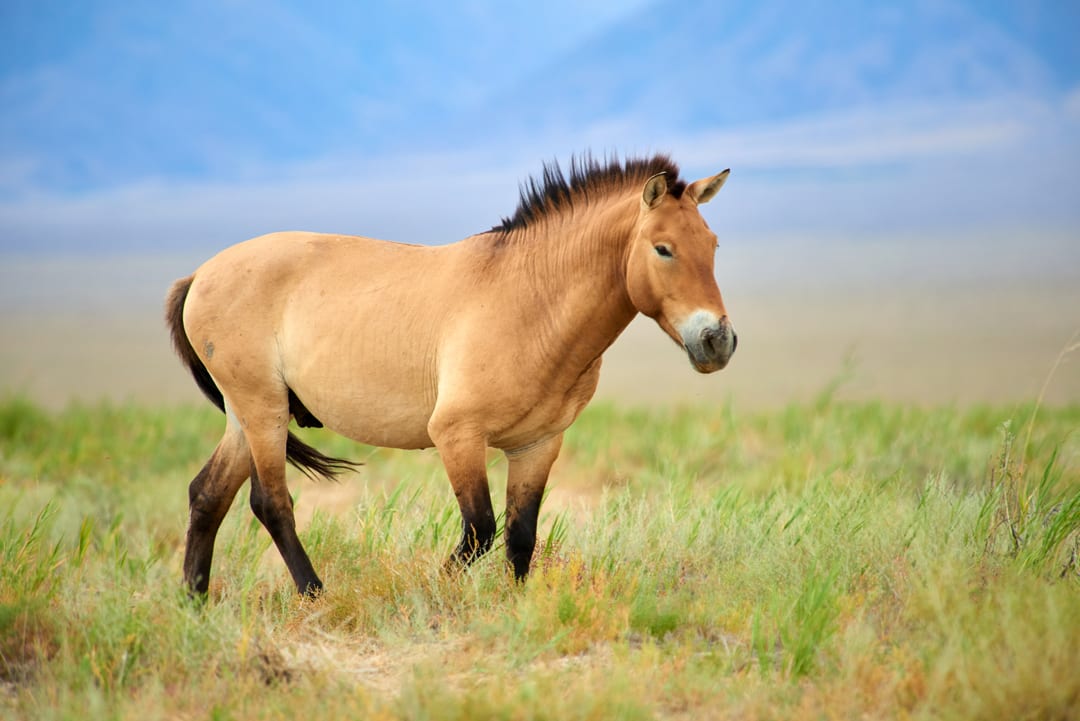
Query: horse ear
{"x": 654, "y": 192}
{"x": 702, "y": 191}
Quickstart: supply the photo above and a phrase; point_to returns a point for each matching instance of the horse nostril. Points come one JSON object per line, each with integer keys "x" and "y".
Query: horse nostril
{"x": 720, "y": 340}
{"x": 709, "y": 338}
{"x": 715, "y": 340}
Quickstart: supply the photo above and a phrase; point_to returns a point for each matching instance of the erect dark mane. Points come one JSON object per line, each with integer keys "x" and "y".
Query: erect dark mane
{"x": 554, "y": 191}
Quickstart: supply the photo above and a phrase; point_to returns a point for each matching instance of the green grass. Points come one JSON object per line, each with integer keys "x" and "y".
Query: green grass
{"x": 822, "y": 561}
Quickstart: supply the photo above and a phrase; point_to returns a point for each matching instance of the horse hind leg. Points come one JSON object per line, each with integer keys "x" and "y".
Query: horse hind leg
{"x": 209, "y": 496}
{"x": 273, "y": 506}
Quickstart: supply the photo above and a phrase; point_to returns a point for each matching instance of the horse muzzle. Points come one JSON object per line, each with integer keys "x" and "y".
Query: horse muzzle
{"x": 709, "y": 342}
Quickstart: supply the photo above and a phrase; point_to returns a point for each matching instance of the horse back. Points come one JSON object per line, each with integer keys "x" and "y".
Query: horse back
{"x": 366, "y": 336}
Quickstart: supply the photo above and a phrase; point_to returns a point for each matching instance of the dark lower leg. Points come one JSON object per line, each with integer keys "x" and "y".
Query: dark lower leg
{"x": 521, "y": 534}
{"x": 462, "y": 454}
{"x": 477, "y": 530}
{"x": 275, "y": 512}
{"x": 209, "y": 497}
{"x": 527, "y": 476}
{"x": 199, "y": 553}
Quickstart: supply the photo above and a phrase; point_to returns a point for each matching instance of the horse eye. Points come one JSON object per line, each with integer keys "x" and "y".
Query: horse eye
{"x": 663, "y": 251}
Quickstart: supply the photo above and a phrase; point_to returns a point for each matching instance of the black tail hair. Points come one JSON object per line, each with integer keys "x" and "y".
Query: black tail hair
{"x": 308, "y": 460}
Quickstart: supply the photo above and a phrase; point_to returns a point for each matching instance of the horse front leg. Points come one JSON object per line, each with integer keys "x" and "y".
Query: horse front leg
{"x": 526, "y": 479}
{"x": 463, "y": 456}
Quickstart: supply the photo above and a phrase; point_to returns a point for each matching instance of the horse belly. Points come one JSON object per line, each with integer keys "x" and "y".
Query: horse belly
{"x": 359, "y": 353}
{"x": 362, "y": 385}
{"x": 362, "y": 403}
{"x": 376, "y": 423}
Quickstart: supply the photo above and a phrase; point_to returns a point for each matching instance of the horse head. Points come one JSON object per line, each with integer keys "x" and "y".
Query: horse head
{"x": 669, "y": 270}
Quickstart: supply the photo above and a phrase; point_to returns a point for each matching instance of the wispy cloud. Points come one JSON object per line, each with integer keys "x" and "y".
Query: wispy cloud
{"x": 985, "y": 164}
{"x": 1072, "y": 105}
{"x": 220, "y": 91}
{"x": 876, "y": 135}
{"x": 142, "y": 139}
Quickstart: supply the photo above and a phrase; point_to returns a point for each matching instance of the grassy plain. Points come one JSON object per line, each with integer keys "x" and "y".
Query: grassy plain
{"x": 825, "y": 559}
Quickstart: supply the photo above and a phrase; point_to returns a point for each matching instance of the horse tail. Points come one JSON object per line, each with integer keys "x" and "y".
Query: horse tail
{"x": 308, "y": 460}
{"x": 174, "y": 318}
{"x": 313, "y": 463}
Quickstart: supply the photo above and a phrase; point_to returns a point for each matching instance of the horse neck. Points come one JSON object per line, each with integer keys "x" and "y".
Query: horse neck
{"x": 576, "y": 267}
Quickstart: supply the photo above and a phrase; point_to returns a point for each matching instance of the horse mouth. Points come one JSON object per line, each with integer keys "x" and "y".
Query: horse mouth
{"x": 706, "y": 367}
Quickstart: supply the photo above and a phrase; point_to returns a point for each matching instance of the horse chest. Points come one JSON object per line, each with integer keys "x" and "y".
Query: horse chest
{"x": 551, "y": 411}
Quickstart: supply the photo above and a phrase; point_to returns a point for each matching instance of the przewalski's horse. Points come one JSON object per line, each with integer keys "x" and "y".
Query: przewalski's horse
{"x": 493, "y": 341}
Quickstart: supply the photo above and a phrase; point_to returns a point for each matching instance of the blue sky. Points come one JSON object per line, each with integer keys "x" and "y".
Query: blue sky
{"x": 165, "y": 127}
